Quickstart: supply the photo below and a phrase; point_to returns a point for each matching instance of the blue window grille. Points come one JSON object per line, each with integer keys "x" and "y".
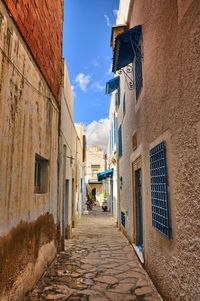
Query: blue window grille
{"x": 159, "y": 189}
{"x": 120, "y": 141}
{"x": 138, "y": 71}
{"x": 123, "y": 219}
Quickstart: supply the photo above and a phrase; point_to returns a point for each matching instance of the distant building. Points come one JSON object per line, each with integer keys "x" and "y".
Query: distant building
{"x": 156, "y": 54}
{"x": 95, "y": 163}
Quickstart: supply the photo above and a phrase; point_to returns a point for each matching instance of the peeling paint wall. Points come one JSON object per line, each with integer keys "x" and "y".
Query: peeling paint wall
{"x": 40, "y": 23}
{"x": 167, "y": 109}
{"x": 67, "y": 152}
{"x": 70, "y": 160}
{"x": 29, "y": 125}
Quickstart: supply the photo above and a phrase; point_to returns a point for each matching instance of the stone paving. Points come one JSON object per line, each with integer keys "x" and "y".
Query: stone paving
{"x": 98, "y": 265}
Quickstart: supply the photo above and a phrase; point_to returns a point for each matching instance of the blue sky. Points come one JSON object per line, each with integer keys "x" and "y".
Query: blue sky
{"x": 86, "y": 47}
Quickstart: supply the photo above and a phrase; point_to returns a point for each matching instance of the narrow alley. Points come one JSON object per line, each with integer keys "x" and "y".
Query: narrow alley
{"x": 99, "y": 150}
{"x": 97, "y": 265}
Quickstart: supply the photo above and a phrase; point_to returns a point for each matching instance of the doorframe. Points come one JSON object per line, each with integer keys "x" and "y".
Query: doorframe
{"x": 136, "y": 165}
{"x": 66, "y": 207}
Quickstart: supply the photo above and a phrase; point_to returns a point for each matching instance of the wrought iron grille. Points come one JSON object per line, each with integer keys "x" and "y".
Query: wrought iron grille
{"x": 159, "y": 189}
{"x": 138, "y": 71}
{"x": 123, "y": 219}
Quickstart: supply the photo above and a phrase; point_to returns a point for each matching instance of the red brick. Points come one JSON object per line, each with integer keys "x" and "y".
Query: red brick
{"x": 37, "y": 21}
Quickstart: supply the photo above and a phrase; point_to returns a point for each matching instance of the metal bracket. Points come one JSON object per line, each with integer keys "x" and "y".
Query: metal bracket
{"x": 129, "y": 81}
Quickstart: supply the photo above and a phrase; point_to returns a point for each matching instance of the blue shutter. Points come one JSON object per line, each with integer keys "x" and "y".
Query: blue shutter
{"x": 138, "y": 71}
{"x": 120, "y": 141}
{"x": 159, "y": 189}
{"x": 123, "y": 219}
{"x": 124, "y": 104}
{"x": 114, "y": 129}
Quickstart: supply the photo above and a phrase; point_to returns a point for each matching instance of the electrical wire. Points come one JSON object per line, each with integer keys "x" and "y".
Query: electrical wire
{"x": 27, "y": 81}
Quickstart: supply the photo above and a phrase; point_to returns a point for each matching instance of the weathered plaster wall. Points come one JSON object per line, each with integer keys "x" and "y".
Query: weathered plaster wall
{"x": 67, "y": 168}
{"x": 81, "y": 194}
{"x": 168, "y": 109}
{"x": 125, "y": 168}
{"x": 112, "y": 157}
{"x": 40, "y": 23}
{"x": 29, "y": 125}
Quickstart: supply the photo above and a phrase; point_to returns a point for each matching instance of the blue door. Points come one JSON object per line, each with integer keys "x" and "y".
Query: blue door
{"x": 139, "y": 224}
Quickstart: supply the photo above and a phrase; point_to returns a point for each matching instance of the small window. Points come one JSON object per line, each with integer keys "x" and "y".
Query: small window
{"x": 41, "y": 174}
{"x": 95, "y": 170}
{"x": 120, "y": 141}
{"x": 138, "y": 70}
{"x": 134, "y": 141}
{"x": 159, "y": 189}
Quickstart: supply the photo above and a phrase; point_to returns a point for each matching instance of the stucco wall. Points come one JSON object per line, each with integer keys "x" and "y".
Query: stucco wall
{"x": 168, "y": 109}
{"x": 40, "y": 23}
{"x": 28, "y": 123}
{"x": 70, "y": 159}
{"x": 112, "y": 158}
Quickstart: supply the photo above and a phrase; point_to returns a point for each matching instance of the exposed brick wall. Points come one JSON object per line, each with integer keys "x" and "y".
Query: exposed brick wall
{"x": 40, "y": 22}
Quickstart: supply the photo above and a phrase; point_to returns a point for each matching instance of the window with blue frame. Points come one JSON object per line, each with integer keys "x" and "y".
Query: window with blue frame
{"x": 117, "y": 99}
{"x": 159, "y": 189}
{"x": 120, "y": 141}
{"x": 138, "y": 70}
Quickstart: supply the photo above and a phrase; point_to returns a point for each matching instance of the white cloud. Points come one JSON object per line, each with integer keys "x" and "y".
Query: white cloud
{"x": 110, "y": 69}
{"x": 115, "y": 12}
{"x": 107, "y": 20}
{"x": 97, "y": 133}
{"x": 73, "y": 90}
{"x": 98, "y": 86}
{"x": 83, "y": 80}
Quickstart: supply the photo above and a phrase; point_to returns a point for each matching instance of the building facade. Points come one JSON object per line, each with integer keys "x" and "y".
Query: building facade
{"x": 156, "y": 55}
{"x": 81, "y": 170}
{"x": 71, "y": 161}
{"x": 112, "y": 155}
{"x": 95, "y": 163}
{"x": 29, "y": 116}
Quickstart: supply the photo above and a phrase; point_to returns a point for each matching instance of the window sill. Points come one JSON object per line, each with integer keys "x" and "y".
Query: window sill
{"x": 139, "y": 253}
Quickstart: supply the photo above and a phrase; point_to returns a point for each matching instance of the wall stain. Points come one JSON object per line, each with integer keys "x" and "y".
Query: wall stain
{"x": 21, "y": 246}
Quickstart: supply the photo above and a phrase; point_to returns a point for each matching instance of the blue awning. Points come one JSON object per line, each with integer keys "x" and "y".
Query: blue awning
{"x": 125, "y": 47}
{"x": 105, "y": 174}
{"x": 112, "y": 85}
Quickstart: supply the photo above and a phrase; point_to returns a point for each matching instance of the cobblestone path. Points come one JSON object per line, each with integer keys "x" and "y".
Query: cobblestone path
{"x": 98, "y": 265}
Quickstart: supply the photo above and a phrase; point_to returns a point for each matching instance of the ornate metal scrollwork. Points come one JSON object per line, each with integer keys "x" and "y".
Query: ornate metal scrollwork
{"x": 129, "y": 68}
{"x": 129, "y": 80}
